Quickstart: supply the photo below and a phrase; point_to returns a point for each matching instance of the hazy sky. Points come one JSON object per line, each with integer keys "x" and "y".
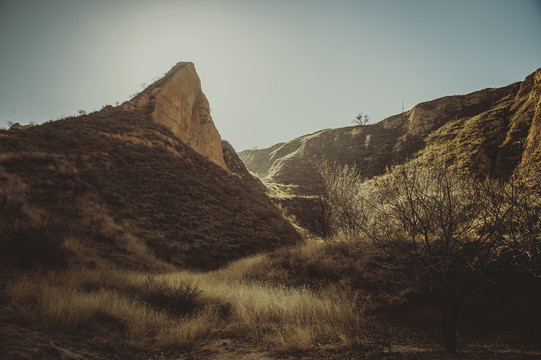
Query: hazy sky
{"x": 272, "y": 70}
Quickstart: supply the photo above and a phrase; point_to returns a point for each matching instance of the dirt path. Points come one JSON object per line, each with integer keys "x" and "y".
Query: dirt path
{"x": 19, "y": 343}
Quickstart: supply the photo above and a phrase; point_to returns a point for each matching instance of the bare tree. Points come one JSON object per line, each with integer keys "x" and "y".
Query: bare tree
{"x": 442, "y": 229}
{"x": 361, "y": 119}
{"x": 323, "y": 213}
{"x": 336, "y": 199}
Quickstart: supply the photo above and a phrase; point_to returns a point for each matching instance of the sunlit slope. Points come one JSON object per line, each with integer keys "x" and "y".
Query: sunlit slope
{"x": 490, "y": 130}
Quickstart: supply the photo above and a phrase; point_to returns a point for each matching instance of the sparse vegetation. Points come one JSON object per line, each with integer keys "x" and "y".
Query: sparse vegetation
{"x": 320, "y": 294}
{"x": 441, "y": 230}
{"x": 361, "y": 119}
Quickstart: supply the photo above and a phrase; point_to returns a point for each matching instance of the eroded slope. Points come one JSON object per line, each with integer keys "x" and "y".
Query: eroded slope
{"x": 490, "y": 130}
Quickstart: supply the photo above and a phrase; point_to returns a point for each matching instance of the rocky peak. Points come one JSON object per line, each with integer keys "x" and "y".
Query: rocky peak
{"x": 177, "y": 102}
{"x": 530, "y": 84}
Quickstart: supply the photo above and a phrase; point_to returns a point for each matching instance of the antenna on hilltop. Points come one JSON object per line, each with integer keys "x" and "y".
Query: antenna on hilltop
{"x": 402, "y": 104}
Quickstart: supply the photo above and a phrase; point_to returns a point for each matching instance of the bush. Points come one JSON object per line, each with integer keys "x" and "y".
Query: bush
{"x": 442, "y": 230}
{"x": 179, "y": 299}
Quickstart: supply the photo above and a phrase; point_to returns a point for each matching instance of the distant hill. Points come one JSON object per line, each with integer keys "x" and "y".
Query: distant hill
{"x": 488, "y": 131}
{"x": 145, "y": 185}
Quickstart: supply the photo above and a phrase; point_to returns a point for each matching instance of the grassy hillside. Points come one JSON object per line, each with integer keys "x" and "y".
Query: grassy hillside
{"x": 125, "y": 189}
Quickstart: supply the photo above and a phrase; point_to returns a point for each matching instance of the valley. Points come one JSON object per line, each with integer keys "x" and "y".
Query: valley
{"x": 136, "y": 232}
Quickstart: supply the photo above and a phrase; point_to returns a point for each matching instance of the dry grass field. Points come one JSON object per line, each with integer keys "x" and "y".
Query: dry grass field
{"x": 319, "y": 299}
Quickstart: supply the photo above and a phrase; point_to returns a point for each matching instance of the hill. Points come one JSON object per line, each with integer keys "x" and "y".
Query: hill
{"x": 444, "y": 199}
{"x": 489, "y": 131}
{"x": 144, "y": 185}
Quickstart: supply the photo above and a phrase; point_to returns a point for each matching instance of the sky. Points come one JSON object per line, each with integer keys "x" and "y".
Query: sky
{"x": 271, "y": 70}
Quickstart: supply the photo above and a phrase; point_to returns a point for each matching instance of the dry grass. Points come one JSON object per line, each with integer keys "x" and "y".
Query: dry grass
{"x": 279, "y": 301}
{"x": 66, "y": 302}
{"x": 278, "y": 315}
{"x": 283, "y": 317}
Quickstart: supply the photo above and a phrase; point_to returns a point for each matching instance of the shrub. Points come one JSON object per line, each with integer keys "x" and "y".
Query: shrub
{"x": 177, "y": 299}
{"x": 442, "y": 230}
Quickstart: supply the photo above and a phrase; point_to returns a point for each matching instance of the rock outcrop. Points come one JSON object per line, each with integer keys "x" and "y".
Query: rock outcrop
{"x": 177, "y": 102}
{"x": 530, "y": 112}
{"x": 490, "y": 130}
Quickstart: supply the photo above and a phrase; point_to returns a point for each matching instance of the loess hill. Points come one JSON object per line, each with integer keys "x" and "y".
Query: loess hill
{"x": 488, "y": 131}
{"x": 145, "y": 185}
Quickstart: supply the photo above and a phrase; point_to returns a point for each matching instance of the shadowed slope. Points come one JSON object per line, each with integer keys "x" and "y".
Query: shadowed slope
{"x": 130, "y": 191}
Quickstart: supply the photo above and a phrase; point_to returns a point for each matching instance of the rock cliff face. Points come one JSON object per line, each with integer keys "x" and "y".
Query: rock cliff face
{"x": 429, "y": 116}
{"x": 528, "y": 115}
{"x": 177, "y": 102}
{"x": 489, "y": 130}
